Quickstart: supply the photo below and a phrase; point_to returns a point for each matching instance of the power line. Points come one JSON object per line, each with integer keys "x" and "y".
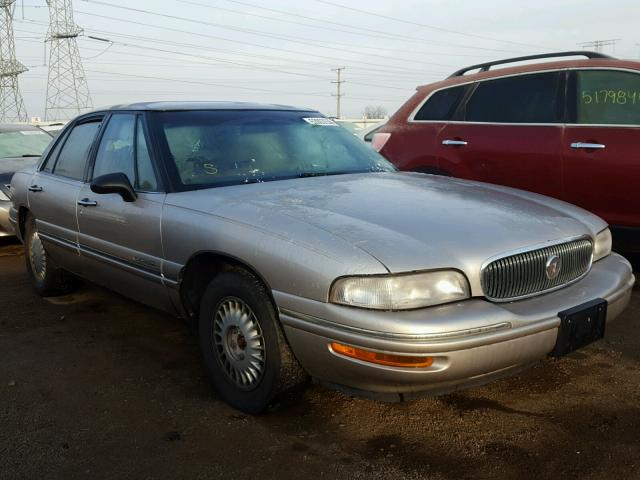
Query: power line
{"x": 313, "y": 77}
{"x": 404, "y": 72}
{"x": 216, "y": 84}
{"x": 306, "y": 42}
{"x": 431, "y": 27}
{"x": 362, "y": 31}
{"x": 144, "y": 47}
{"x": 351, "y": 64}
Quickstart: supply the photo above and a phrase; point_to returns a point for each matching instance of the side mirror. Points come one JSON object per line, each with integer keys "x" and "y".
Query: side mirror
{"x": 114, "y": 183}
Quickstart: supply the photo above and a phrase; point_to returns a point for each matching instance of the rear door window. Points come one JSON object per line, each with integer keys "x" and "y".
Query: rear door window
{"x": 605, "y": 97}
{"x": 442, "y": 104}
{"x": 74, "y": 154}
{"x": 530, "y": 98}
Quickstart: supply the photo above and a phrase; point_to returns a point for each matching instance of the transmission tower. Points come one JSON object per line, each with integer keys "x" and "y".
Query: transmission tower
{"x": 67, "y": 89}
{"x": 598, "y": 45}
{"x": 11, "y": 104}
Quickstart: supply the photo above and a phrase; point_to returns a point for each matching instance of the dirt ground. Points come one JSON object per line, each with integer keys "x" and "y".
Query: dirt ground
{"x": 95, "y": 386}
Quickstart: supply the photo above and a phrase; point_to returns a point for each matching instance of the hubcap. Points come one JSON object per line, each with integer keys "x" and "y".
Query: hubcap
{"x": 238, "y": 343}
{"x": 37, "y": 256}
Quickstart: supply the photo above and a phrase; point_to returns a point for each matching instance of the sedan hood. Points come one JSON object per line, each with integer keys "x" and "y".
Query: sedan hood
{"x": 411, "y": 221}
{"x": 10, "y": 165}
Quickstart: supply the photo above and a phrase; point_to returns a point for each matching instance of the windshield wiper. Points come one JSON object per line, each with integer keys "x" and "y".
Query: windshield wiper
{"x": 30, "y": 155}
{"x": 325, "y": 174}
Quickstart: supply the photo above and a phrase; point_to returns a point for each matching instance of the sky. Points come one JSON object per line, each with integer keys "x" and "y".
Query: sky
{"x": 281, "y": 51}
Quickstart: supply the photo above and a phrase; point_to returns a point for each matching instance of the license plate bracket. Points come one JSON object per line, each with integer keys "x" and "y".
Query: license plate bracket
{"x": 580, "y": 326}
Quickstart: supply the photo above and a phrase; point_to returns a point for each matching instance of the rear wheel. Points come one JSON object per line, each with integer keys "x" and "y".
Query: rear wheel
{"x": 243, "y": 346}
{"x": 47, "y": 278}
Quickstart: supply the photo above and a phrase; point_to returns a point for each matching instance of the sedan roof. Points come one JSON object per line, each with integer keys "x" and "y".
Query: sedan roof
{"x": 173, "y": 106}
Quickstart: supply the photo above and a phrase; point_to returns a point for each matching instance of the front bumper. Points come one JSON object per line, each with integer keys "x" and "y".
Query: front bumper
{"x": 472, "y": 342}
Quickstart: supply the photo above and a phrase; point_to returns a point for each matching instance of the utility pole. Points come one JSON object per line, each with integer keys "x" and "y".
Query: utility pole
{"x": 339, "y": 93}
{"x": 11, "y": 104}
{"x": 67, "y": 89}
{"x": 597, "y": 45}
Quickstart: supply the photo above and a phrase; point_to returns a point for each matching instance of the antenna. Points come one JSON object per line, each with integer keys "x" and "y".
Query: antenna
{"x": 67, "y": 88}
{"x": 11, "y": 105}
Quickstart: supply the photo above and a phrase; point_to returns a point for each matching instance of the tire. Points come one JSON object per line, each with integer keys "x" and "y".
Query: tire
{"x": 47, "y": 278}
{"x": 243, "y": 346}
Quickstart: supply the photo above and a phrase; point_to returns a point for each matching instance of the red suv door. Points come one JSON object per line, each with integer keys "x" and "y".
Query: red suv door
{"x": 510, "y": 133}
{"x": 600, "y": 145}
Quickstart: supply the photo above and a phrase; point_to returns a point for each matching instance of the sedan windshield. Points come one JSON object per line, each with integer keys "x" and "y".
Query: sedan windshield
{"x": 218, "y": 148}
{"x": 23, "y": 143}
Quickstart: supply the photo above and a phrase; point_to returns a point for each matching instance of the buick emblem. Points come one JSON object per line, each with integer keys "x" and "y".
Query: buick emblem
{"x": 553, "y": 266}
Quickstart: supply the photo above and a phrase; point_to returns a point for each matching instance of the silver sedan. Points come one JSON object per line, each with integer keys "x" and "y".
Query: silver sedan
{"x": 296, "y": 250}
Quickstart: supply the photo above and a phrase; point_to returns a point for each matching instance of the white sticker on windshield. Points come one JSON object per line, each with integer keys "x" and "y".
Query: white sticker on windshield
{"x": 30, "y": 132}
{"x": 325, "y": 122}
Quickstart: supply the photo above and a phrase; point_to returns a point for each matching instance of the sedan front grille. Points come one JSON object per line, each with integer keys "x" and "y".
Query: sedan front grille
{"x": 525, "y": 274}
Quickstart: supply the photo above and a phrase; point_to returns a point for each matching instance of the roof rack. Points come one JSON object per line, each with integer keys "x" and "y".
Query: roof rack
{"x": 484, "y": 67}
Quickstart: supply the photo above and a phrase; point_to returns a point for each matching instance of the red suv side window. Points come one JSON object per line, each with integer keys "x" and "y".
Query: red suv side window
{"x": 531, "y": 98}
{"x": 442, "y": 104}
{"x": 607, "y": 97}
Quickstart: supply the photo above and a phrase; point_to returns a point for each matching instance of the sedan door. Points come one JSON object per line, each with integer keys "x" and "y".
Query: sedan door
{"x": 121, "y": 240}
{"x": 510, "y": 133}
{"x": 601, "y": 155}
{"x": 54, "y": 190}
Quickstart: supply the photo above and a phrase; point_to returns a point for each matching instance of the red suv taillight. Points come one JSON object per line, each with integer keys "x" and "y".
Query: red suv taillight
{"x": 379, "y": 140}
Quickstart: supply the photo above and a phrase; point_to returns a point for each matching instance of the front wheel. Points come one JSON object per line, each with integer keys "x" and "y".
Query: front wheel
{"x": 46, "y": 277}
{"x": 243, "y": 346}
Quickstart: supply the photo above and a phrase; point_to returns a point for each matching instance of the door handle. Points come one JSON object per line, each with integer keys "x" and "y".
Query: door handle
{"x": 588, "y": 146}
{"x": 454, "y": 142}
{"x": 85, "y": 202}
{"x": 35, "y": 188}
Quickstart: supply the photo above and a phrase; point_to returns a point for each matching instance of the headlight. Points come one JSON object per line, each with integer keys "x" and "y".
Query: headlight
{"x": 602, "y": 247}
{"x": 400, "y": 292}
{"x": 3, "y": 196}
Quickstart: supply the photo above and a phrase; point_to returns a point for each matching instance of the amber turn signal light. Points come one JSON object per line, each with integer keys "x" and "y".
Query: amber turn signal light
{"x": 389, "y": 359}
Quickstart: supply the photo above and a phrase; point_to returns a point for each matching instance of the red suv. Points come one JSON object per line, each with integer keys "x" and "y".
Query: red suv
{"x": 568, "y": 129}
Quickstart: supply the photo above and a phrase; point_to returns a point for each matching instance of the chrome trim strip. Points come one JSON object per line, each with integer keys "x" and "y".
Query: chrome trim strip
{"x": 405, "y": 337}
{"x": 129, "y": 267}
{"x": 168, "y": 282}
{"x": 61, "y": 242}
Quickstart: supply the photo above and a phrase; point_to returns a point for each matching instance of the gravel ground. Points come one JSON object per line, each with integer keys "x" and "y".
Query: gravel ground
{"x": 94, "y": 385}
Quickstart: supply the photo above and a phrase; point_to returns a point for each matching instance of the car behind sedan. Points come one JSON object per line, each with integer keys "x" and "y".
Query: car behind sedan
{"x": 20, "y": 146}
{"x": 296, "y": 249}
{"x": 563, "y": 128}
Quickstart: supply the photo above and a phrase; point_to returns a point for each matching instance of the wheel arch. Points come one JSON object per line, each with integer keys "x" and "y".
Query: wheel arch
{"x": 201, "y": 268}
